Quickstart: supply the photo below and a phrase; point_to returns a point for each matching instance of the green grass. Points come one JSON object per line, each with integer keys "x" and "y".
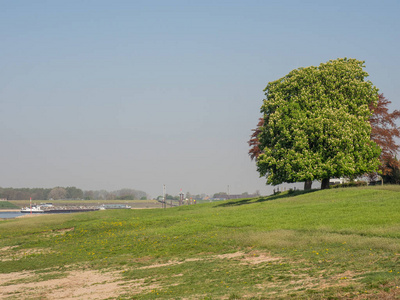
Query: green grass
{"x": 340, "y": 243}
{"x": 7, "y": 205}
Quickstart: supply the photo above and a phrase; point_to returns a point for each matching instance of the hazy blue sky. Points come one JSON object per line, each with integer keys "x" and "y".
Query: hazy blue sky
{"x": 137, "y": 94}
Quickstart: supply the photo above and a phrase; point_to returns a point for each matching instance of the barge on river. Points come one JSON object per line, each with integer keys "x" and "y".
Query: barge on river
{"x": 35, "y": 209}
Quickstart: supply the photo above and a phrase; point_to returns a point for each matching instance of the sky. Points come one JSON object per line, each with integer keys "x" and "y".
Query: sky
{"x": 138, "y": 94}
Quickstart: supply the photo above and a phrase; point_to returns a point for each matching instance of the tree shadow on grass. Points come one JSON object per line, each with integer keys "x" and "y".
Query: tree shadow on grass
{"x": 245, "y": 201}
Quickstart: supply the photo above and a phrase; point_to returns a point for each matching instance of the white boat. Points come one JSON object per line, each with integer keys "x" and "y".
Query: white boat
{"x": 34, "y": 209}
{"x": 115, "y": 206}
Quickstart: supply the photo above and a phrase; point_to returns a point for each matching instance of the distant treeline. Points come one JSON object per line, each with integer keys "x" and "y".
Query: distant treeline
{"x": 124, "y": 194}
{"x": 58, "y": 193}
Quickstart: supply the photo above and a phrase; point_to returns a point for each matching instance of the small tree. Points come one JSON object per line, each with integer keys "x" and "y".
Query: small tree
{"x": 316, "y": 125}
{"x": 254, "y": 142}
{"x": 383, "y": 132}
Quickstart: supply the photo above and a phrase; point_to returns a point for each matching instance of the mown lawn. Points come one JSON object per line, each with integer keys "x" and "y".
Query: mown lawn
{"x": 339, "y": 243}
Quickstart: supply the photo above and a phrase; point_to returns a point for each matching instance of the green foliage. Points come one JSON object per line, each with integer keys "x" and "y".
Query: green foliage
{"x": 24, "y": 193}
{"x": 316, "y": 124}
{"x": 126, "y": 197}
{"x": 170, "y": 197}
{"x": 39, "y": 193}
{"x": 73, "y": 193}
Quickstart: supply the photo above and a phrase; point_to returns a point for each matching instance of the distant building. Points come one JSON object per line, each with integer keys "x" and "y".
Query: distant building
{"x": 340, "y": 180}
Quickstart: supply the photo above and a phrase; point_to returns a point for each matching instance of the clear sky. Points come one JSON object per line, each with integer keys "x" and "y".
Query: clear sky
{"x": 137, "y": 94}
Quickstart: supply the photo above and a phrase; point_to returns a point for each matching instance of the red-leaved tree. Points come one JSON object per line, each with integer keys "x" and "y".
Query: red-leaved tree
{"x": 254, "y": 143}
{"x": 383, "y": 132}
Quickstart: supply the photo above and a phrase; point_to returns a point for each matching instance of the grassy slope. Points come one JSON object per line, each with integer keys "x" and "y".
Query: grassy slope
{"x": 7, "y": 205}
{"x": 334, "y": 243}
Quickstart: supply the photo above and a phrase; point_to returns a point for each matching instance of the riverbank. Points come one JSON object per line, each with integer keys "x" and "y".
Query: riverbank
{"x": 8, "y": 214}
{"x": 9, "y": 210}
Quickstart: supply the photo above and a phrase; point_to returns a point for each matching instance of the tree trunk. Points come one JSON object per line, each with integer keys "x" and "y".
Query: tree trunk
{"x": 325, "y": 183}
{"x": 307, "y": 185}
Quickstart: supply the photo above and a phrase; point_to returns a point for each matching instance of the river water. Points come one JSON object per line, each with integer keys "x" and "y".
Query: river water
{"x": 10, "y": 214}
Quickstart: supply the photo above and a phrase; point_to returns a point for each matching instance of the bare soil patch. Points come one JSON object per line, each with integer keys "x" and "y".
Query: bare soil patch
{"x": 252, "y": 258}
{"x": 86, "y": 284}
{"x": 256, "y": 257}
{"x": 10, "y": 253}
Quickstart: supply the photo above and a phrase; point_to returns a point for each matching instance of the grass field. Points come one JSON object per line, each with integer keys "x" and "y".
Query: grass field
{"x": 331, "y": 244}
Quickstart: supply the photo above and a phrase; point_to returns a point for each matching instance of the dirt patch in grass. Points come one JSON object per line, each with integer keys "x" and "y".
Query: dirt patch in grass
{"x": 171, "y": 263}
{"x": 6, "y": 249}
{"x": 5, "y": 279}
{"x": 230, "y": 255}
{"x": 392, "y": 292}
{"x": 57, "y": 232}
{"x": 9, "y": 253}
{"x": 65, "y": 229}
{"x": 257, "y": 257}
{"x": 84, "y": 284}
{"x": 251, "y": 258}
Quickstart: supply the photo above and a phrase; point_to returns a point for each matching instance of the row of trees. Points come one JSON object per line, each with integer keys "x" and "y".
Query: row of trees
{"x": 323, "y": 122}
{"x": 69, "y": 193}
{"x": 123, "y": 194}
{"x": 41, "y": 193}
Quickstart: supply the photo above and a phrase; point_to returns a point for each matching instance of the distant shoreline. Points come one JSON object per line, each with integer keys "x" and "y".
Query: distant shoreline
{"x": 10, "y": 210}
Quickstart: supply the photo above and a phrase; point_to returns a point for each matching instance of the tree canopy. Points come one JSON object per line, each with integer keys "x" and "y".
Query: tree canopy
{"x": 316, "y": 124}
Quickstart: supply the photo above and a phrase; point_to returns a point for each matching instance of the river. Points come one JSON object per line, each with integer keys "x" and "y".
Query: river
{"x": 10, "y": 214}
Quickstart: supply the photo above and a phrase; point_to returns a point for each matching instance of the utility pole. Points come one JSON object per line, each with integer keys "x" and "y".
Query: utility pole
{"x": 228, "y": 192}
{"x": 164, "y": 197}
{"x": 180, "y": 198}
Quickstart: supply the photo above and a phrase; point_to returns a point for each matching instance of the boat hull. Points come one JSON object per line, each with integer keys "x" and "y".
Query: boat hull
{"x": 67, "y": 211}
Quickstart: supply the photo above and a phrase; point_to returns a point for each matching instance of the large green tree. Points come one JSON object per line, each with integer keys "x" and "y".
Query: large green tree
{"x": 316, "y": 124}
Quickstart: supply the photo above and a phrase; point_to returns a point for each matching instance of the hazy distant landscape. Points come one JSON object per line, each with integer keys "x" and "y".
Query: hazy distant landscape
{"x": 71, "y": 193}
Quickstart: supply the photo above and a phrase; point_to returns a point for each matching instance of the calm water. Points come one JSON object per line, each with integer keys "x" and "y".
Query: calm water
{"x": 10, "y": 214}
